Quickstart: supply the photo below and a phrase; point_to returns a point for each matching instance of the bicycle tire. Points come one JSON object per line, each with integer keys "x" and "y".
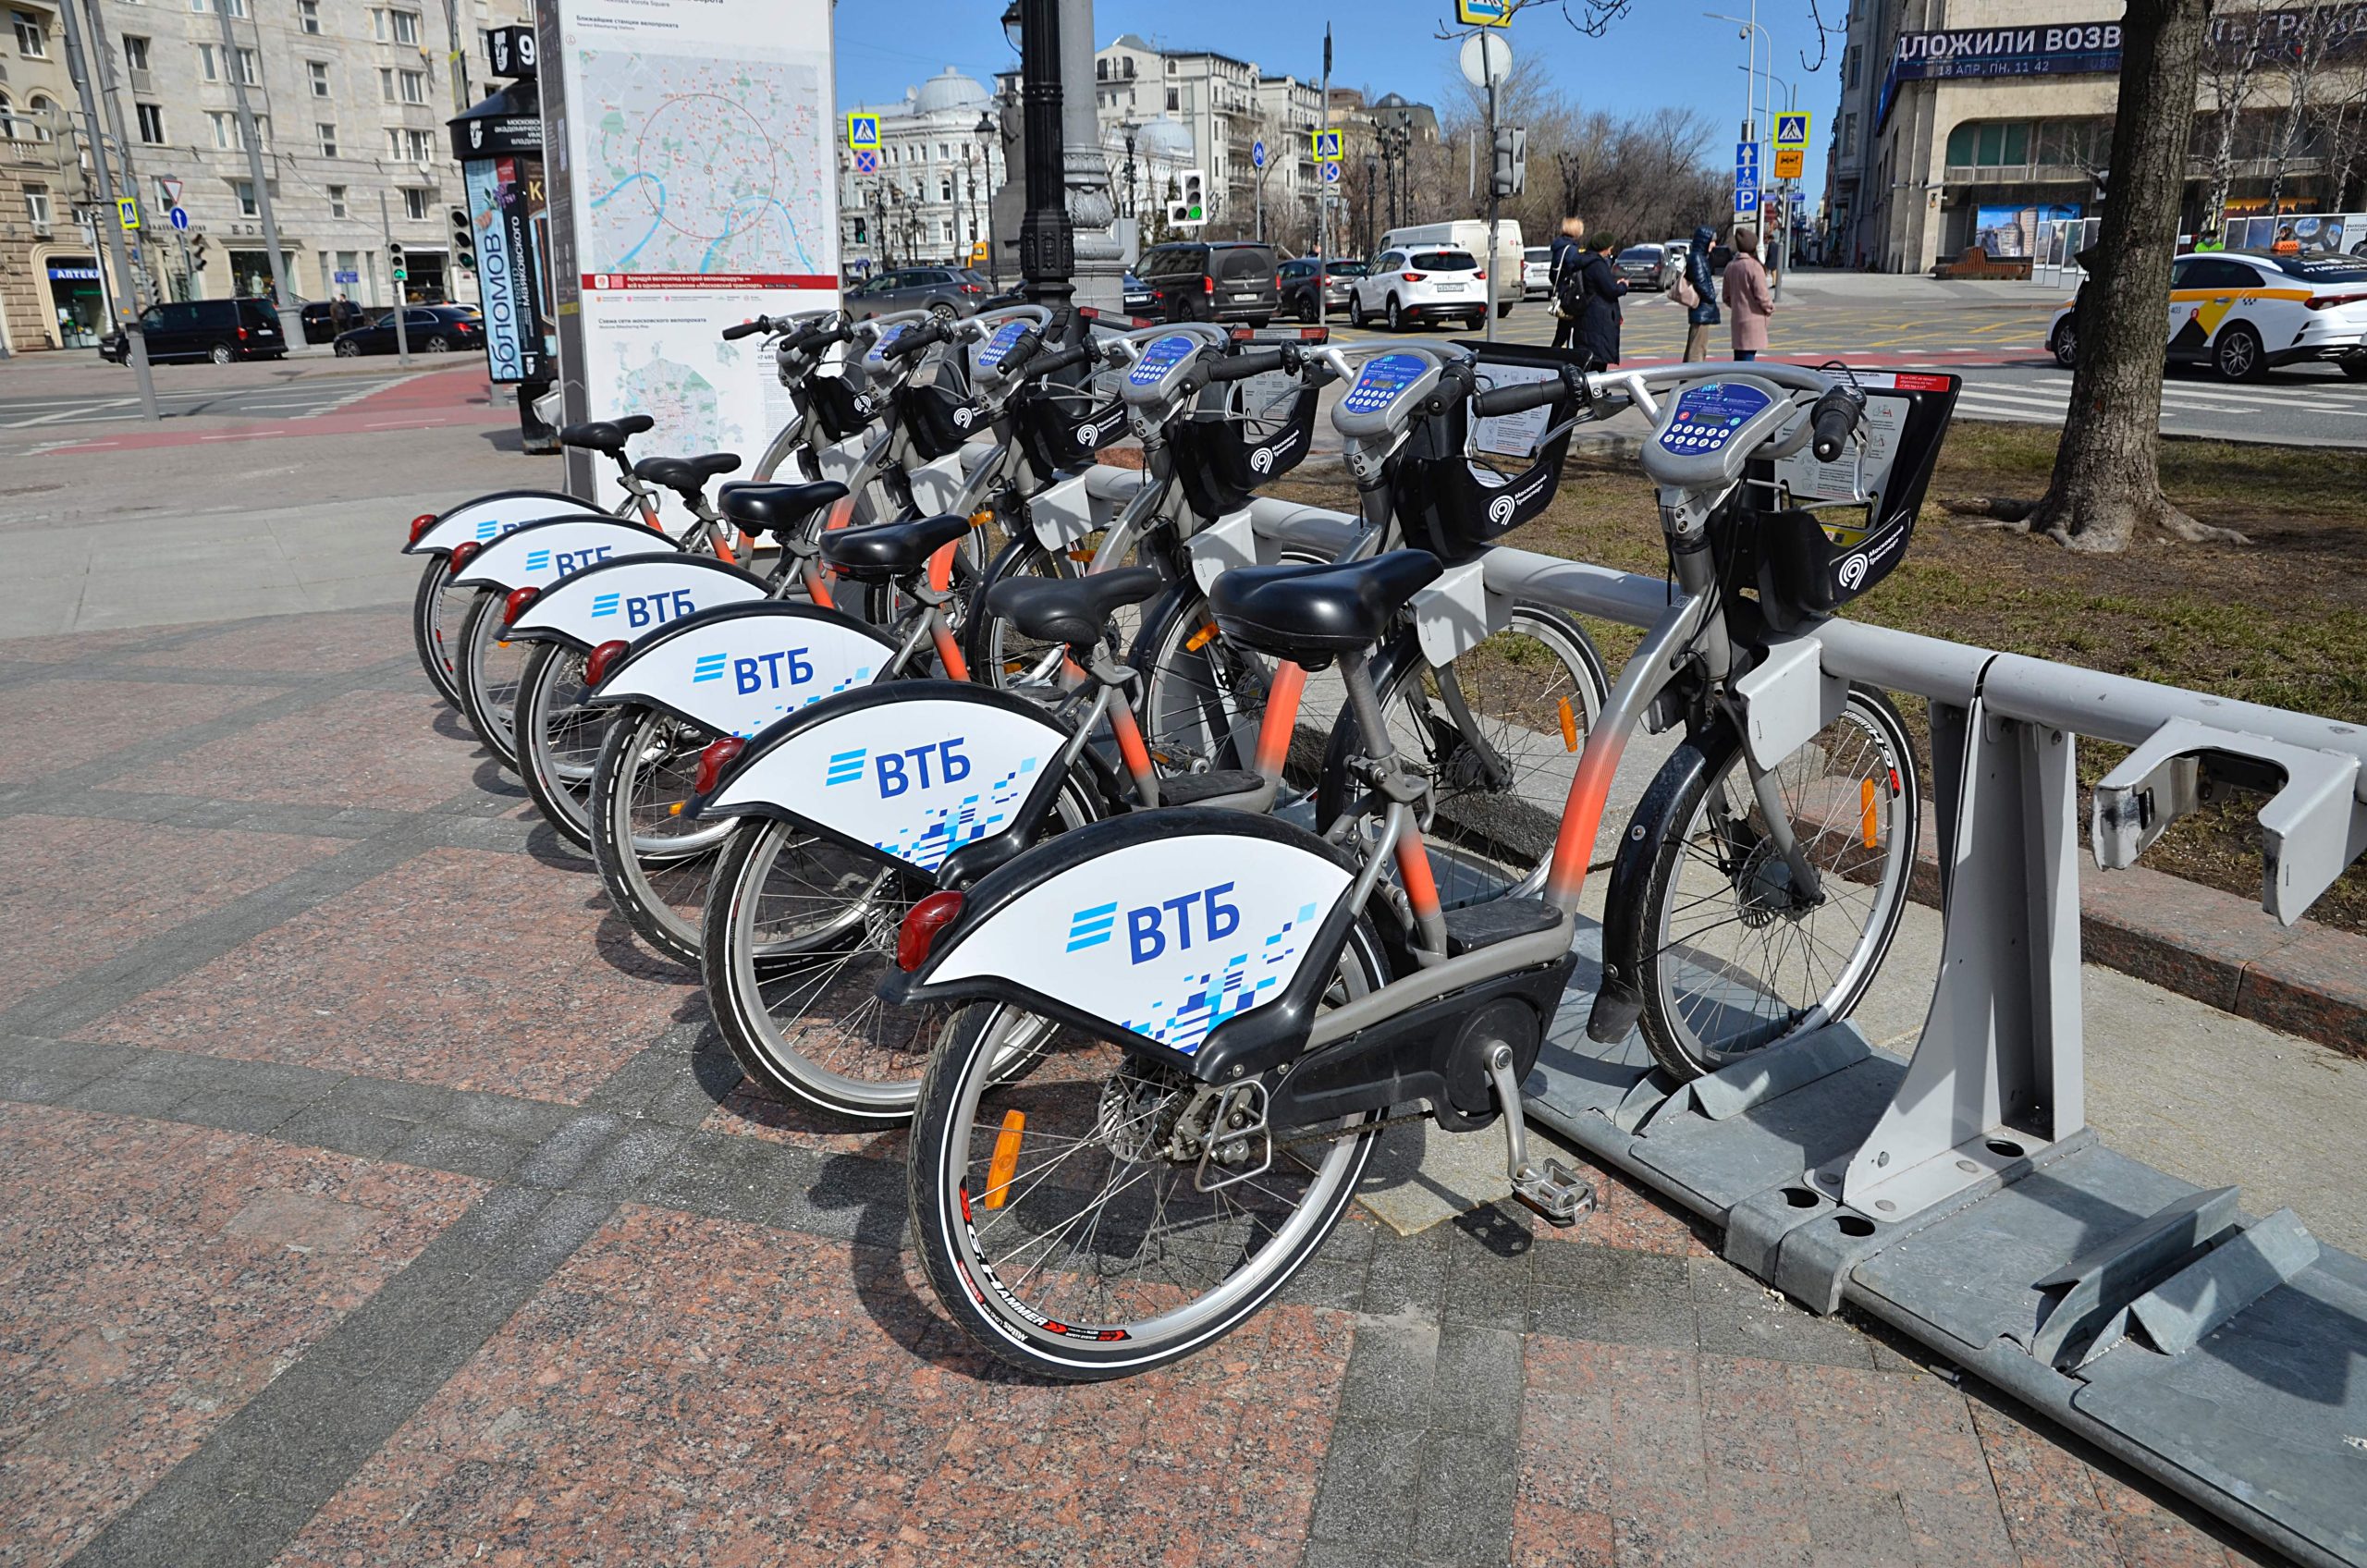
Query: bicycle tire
{"x": 1201, "y": 707}
{"x": 1483, "y": 844}
{"x": 427, "y": 632}
{"x": 564, "y": 802}
{"x": 1688, "y": 983}
{"x": 662, "y": 893}
{"x": 487, "y": 694}
{"x": 996, "y": 653}
{"x": 972, "y": 1063}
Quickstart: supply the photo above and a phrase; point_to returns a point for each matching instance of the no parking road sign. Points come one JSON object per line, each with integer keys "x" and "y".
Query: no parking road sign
{"x": 1331, "y": 172}
{"x": 867, "y": 160}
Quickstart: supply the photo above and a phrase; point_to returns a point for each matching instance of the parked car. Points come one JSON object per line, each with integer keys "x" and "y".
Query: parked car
{"x": 1409, "y": 287}
{"x": 1639, "y": 265}
{"x": 1136, "y": 296}
{"x": 1536, "y": 272}
{"x": 220, "y": 330}
{"x": 949, "y": 292}
{"x": 1212, "y": 280}
{"x": 1296, "y": 281}
{"x": 432, "y": 329}
{"x": 2242, "y": 313}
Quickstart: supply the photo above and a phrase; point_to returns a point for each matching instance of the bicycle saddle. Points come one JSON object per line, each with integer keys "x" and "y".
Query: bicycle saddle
{"x": 1311, "y": 614}
{"x": 776, "y": 508}
{"x": 608, "y": 436}
{"x": 890, "y": 549}
{"x": 687, "y": 474}
{"x": 1071, "y": 611}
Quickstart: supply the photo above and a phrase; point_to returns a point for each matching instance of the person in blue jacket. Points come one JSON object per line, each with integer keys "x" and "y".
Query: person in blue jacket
{"x": 1702, "y": 314}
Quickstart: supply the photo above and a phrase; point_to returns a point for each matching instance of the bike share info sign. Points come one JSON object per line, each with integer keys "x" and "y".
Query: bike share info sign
{"x": 693, "y": 185}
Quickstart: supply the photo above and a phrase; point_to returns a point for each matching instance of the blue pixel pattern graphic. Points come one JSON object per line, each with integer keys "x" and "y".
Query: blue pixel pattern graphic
{"x": 746, "y": 729}
{"x": 943, "y": 829}
{"x": 1230, "y": 987}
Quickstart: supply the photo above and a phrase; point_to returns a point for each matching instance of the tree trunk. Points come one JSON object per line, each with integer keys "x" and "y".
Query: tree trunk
{"x": 2106, "y": 484}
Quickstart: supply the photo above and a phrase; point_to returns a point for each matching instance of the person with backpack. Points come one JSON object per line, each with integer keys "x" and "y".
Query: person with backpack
{"x": 1587, "y": 293}
{"x": 1696, "y": 288}
{"x": 1562, "y": 269}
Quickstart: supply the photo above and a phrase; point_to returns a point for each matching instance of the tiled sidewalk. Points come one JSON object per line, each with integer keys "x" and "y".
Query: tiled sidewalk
{"x": 369, "y": 1196}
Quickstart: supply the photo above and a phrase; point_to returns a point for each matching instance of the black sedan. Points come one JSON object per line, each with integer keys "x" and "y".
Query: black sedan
{"x": 432, "y": 329}
{"x": 1139, "y": 298}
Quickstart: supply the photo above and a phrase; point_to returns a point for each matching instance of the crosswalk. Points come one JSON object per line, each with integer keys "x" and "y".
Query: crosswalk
{"x": 2289, "y": 407}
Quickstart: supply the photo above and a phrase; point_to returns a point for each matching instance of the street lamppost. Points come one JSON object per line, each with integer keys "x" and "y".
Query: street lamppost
{"x": 1372, "y": 183}
{"x": 1754, "y": 34}
{"x": 1047, "y": 240}
{"x": 1130, "y": 129}
{"x": 984, "y": 132}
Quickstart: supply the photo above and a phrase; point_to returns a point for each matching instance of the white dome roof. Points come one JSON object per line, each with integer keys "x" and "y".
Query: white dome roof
{"x": 1164, "y": 137}
{"x": 949, "y": 90}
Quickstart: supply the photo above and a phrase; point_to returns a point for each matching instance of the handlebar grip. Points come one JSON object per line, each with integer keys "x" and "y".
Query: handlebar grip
{"x": 1065, "y": 358}
{"x": 1516, "y": 398}
{"x": 1022, "y": 348}
{"x": 913, "y": 340}
{"x": 1835, "y": 419}
{"x": 747, "y": 328}
{"x": 1241, "y": 367}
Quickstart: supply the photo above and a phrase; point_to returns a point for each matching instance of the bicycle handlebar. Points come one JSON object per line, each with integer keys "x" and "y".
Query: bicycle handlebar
{"x": 913, "y": 340}
{"x": 747, "y": 328}
{"x": 1241, "y": 367}
{"x": 1519, "y": 396}
{"x": 1835, "y": 419}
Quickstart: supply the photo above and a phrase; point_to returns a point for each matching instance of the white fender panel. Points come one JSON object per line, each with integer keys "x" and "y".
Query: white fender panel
{"x": 1168, "y": 937}
{"x": 741, "y": 674}
{"x": 1062, "y": 513}
{"x": 635, "y": 600}
{"x": 937, "y": 486}
{"x": 841, "y": 459}
{"x": 559, "y": 549}
{"x": 915, "y": 780}
{"x": 481, "y": 523}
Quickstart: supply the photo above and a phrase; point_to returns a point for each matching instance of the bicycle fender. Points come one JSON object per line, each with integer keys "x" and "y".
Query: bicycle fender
{"x": 488, "y": 518}
{"x": 1619, "y": 1001}
{"x": 912, "y": 769}
{"x": 1202, "y": 937}
{"x": 735, "y": 669}
{"x": 539, "y": 553}
{"x": 626, "y": 600}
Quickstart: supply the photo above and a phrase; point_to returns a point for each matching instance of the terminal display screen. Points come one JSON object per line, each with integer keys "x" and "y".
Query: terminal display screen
{"x": 991, "y": 352}
{"x": 1708, "y": 416}
{"x": 1163, "y": 355}
{"x": 1382, "y": 380}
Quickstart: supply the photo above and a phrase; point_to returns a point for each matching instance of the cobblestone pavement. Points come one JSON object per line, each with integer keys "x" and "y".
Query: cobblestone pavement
{"x": 369, "y": 1197}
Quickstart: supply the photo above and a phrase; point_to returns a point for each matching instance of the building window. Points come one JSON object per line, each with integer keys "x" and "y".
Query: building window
{"x": 395, "y": 27}
{"x": 319, "y": 72}
{"x": 945, "y": 188}
{"x": 1850, "y": 67}
{"x": 1849, "y": 133}
{"x": 37, "y": 204}
{"x": 328, "y": 139}
{"x": 135, "y": 53}
{"x": 246, "y": 194}
{"x": 248, "y": 73}
{"x": 207, "y": 65}
{"x": 1172, "y": 104}
{"x": 1101, "y": 70}
{"x": 414, "y": 203}
{"x": 861, "y": 232}
{"x": 151, "y": 124}
{"x": 225, "y": 128}
{"x": 1130, "y": 68}
{"x": 30, "y": 41}
{"x": 40, "y": 113}
{"x": 237, "y": 7}
{"x": 309, "y": 13}
{"x": 387, "y": 84}
{"x": 337, "y": 201}
{"x": 412, "y": 86}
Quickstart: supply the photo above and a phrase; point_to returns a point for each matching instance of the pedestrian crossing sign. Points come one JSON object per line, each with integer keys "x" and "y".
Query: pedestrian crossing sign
{"x": 863, "y": 133}
{"x": 1327, "y": 145}
{"x": 1791, "y": 131}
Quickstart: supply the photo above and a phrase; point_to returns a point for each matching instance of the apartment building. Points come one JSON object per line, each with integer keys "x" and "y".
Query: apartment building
{"x": 1224, "y": 107}
{"x": 940, "y": 161}
{"x": 350, "y": 98}
{"x": 49, "y": 278}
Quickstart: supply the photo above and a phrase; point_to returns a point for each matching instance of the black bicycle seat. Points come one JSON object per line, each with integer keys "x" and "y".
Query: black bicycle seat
{"x": 608, "y": 436}
{"x": 1073, "y": 611}
{"x": 776, "y": 508}
{"x": 1312, "y": 614}
{"x": 688, "y": 475}
{"x": 890, "y": 549}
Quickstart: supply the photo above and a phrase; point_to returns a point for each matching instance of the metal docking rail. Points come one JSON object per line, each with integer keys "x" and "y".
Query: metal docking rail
{"x": 1960, "y": 1195}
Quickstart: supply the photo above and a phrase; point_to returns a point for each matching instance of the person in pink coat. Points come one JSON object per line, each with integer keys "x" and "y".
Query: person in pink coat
{"x": 1750, "y": 301}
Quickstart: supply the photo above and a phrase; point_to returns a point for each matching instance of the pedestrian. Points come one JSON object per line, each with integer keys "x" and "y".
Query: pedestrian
{"x": 1697, "y": 289}
{"x": 1750, "y": 302}
{"x": 1595, "y": 322}
{"x": 1564, "y": 284}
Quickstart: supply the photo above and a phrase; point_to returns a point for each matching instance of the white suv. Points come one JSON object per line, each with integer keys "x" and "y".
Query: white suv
{"x": 1536, "y": 272}
{"x": 1406, "y": 286}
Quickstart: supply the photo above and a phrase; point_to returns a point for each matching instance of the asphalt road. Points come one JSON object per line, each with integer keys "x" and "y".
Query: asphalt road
{"x": 291, "y": 400}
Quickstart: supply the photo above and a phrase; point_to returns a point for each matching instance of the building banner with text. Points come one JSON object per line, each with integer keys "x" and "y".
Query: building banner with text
{"x": 691, "y": 185}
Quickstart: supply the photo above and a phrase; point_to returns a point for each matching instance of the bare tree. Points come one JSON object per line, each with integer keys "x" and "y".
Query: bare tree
{"x": 2299, "y": 49}
{"x": 2230, "y": 57}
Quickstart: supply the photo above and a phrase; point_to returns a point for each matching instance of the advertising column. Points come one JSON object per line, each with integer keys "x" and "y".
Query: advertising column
{"x": 692, "y": 186}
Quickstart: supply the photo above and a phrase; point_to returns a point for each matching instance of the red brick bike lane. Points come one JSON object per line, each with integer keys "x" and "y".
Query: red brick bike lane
{"x": 431, "y": 401}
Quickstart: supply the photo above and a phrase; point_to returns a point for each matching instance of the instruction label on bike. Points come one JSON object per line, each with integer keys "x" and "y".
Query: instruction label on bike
{"x": 1809, "y": 480}
{"x": 1167, "y": 938}
{"x": 915, "y": 778}
{"x": 1513, "y": 436}
{"x": 541, "y": 553}
{"x": 736, "y": 675}
{"x": 481, "y": 523}
{"x": 1382, "y": 380}
{"x": 629, "y": 600}
{"x": 1708, "y": 416}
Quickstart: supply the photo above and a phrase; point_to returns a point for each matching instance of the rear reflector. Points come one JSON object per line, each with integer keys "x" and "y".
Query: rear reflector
{"x": 515, "y": 606}
{"x": 462, "y": 553}
{"x": 420, "y": 526}
{"x": 604, "y": 659}
{"x": 718, "y": 755}
{"x": 921, "y": 924}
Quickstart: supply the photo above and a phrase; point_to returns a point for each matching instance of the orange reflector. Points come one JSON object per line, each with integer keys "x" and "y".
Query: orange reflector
{"x": 675, "y": 809}
{"x": 981, "y": 518}
{"x": 1085, "y": 556}
{"x": 501, "y": 645}
{"x": 1006, "y": 1160}
{"x": 1866, "y": 811}
{"x": 1200, "y": 639}
{"x": 1569, "y": 727}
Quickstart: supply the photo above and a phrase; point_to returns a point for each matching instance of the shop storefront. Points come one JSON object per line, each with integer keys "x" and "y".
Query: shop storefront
{"x": 77, "y": 305}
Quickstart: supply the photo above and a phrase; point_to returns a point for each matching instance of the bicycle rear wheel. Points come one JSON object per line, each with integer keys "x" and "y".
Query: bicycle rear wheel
{"x": 1203, "y": 696}
{"x": 1728, "y": 961}
{"x": 437, "y": 611}
{"x": 558, "y": 738}
{"x": 489, "y": 667}
{"x": 655, "y": 863}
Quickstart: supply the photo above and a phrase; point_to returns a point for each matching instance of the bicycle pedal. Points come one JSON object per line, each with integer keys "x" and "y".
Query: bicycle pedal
{"x": 1558, "y": 1195}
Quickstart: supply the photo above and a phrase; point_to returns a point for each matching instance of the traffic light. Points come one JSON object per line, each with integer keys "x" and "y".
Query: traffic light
{"x": 464, "y": 238}
{"x": 197, "y": 262}
{"x": 1512, "y": 159}
{"x": 1194, "y": 206}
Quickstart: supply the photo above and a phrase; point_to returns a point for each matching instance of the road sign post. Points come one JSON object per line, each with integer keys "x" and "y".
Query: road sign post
{"x": 399, "y": 273}
{"x": 126, "y": 297}
{"x": 1486, "y": 60}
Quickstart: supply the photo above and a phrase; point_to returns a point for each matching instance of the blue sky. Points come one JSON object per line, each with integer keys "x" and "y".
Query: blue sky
{"x": 1663, "y": 52}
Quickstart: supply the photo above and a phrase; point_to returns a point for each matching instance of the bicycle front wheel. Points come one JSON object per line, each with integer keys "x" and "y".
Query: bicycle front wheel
{"x": 1061, "y": 1218}
{"x": 558, "y": 738}
{"x": 1730, "y": 956}
{"x": 1204, "y": 696}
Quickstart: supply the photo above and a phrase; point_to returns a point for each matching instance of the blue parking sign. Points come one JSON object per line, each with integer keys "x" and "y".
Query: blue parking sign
{"x": 1746, "y": 198}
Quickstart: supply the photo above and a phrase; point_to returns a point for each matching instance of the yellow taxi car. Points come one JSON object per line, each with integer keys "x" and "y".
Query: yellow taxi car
{"x": 2242, "y": 313}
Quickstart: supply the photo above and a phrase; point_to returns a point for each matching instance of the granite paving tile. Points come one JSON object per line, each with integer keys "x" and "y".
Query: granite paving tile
{"x": 56, "y": 725}
{"x": 302, "y": 643}
{"x": 152, "y": 1278}
{"x": 759, "y": 1110}
{"x": 375, "y": 749}
{"x": 93, "y": 646}
{"x": 457, "y": 968}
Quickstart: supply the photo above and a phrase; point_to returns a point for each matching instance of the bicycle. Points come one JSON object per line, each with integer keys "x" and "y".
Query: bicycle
{"x": 1215, "y": 1013}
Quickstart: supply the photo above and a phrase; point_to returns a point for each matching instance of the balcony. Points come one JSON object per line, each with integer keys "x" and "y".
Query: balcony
{"x": 2018, "y": 174}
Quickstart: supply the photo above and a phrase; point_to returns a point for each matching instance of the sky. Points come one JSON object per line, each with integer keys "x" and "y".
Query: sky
{"x": 1663, "y": 52}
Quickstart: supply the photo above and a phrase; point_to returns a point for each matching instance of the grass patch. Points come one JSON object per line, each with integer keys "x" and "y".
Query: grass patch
{"x": 2282, "y": 621}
